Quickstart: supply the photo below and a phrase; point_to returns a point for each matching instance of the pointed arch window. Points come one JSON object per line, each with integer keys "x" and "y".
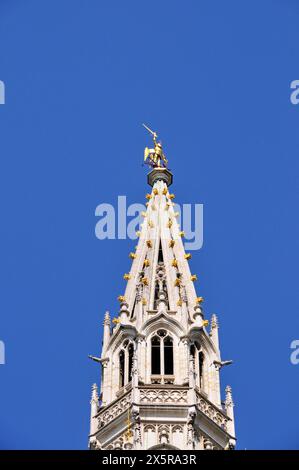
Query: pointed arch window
{"x": 200, "y": 368}
{"x": 162, "y": 354}
{"x": 168, "y": 356}
{"x": 198, "y": 355}
{"x": 121, "y": 368}
{"x": 156, "y": 355}
{"x": 130, "y": 359}
{"x": 192, "y": 350}
{"x": 126, "y": 363}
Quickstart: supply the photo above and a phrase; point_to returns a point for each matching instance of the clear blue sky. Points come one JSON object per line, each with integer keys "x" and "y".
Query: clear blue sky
{"x": 214, "y": 78}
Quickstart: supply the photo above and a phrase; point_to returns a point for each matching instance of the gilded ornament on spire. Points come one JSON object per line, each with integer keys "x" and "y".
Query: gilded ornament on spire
{"x": 155, "y": 157}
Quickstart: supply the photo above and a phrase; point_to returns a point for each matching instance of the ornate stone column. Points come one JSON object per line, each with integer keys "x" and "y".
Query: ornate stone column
{"x": 229, "y": 406}
{"x": 106, "y": 333}
{"x": 94, "y": 406}
{"x": 105, "y": 382}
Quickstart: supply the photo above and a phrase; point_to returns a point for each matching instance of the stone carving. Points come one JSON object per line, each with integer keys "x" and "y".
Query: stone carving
{"x": 128, "y": 446}
{"x": 159, "y": 379}
{"x": 163, "y": 396}
{"x": 117, "y": 444}
{"x": 135, "y": 363}
{"x": 137, "y": 426}
{"x": 94, "y": 445}
{"x": 190, "y": 435}
{"x": 149, "y": 427}
{"x": 190, "y": 428}
{"x": 177, "y": 428}
{"x": 139, "y": 291}
{"x": 122, "y": 442}
{"x": 231, "y": 444}
{"x": 161, "y": 294}
{"x": 163, "y": 433}
{"x": 115, "y": 410}
{"x": 208, "y": 445}
{"x": 211, "y": 411}
{"x": 183, "y": 293}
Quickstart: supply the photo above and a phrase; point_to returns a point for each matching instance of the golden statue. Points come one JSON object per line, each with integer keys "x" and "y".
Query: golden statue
{"x": 154, "y": 157}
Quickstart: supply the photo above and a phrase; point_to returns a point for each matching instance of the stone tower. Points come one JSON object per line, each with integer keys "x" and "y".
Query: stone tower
{"x": 160, "y": 384}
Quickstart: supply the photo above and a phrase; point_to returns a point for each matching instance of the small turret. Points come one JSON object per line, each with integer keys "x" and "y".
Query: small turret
{"x": 229, "y": 407}
{"x": 214, "y": 330}
{"x": 94, "y": 406}
{"x": 106, "y": 335}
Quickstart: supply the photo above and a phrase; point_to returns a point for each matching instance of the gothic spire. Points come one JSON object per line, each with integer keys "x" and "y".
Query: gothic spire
{"x": 159, "y": 338}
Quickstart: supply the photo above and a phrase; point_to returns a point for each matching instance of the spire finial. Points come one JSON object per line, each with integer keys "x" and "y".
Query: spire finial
{"x": 155, "y": 157}
{"x": 214, "y": 321}
{"x": 107, "y": 318}
{"x": 94, "y": 392}
{"x": 228, "y": 396}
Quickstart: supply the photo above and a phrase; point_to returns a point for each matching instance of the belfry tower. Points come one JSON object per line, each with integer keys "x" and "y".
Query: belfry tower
{"x": 160, "y": 385}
